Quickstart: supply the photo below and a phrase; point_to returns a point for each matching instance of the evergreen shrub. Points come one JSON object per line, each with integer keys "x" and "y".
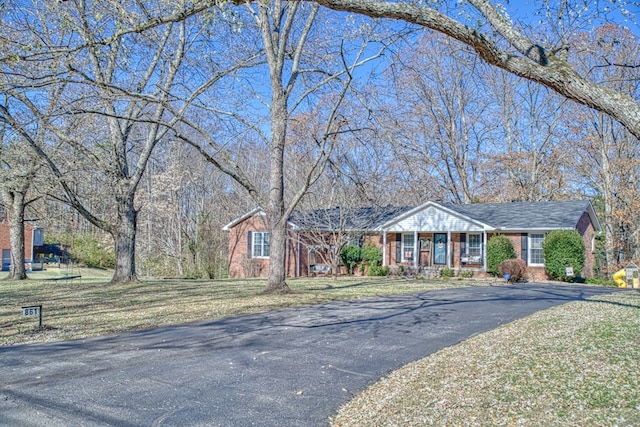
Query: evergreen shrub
{"x": 351, "y": 255}
{"x": 499, "y": 248}
{"x": 371, "y": 254}
{"x": 562, "y": 249}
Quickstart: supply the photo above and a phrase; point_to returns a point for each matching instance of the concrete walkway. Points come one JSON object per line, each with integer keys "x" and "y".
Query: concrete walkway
{"x": 290, "y": 367}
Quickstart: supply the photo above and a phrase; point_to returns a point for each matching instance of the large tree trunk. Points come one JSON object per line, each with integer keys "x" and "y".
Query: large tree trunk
{"x": 277, "y": 221}
{"x": 277, "y": 259}
{"x": 15, "y": 205}
{"x": 125, "y": 242}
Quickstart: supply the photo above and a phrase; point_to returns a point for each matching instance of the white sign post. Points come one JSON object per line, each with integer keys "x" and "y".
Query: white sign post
{"x": 33, "y": 310}
{"x": 569, "y": 271}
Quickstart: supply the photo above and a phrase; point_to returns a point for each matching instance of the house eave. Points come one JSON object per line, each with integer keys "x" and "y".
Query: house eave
{"x": 414, "y": 211}
{"x": 238, "y": 220}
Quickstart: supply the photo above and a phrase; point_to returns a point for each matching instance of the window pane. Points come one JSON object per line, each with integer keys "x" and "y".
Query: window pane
{"x": 475, "y": 245}
{"x": 260, "y": 244}
{"x": 257, "y": 244}
{"x": 535, "y": 253}
{"x": 408, "y": 245}
{"x": 265, "y": 244}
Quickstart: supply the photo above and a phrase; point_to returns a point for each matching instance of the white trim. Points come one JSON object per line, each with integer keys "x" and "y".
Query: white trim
{"x": 258, "y": 211}
{"x": 384, "y": 248}
{"x": 255, "y": 211}
{"x": 450, "y": 250}
{"x": 426, "y": 205}
{"x": 484, "y": 253}
{"x": 262, "y": 245}
{"x": 416, "y": 249}
{"x": 403, "y": 251}
{"x": 530, "y": 247}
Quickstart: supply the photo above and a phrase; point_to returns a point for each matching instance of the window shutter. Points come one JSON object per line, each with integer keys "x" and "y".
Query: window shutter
{"x": 249, "y": 243}
{"x": 524, "y": 250}
{"x": 463, "y": 243}
{"x": 398, "y": 247}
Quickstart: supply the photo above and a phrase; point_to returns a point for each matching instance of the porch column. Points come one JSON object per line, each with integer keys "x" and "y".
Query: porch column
{"x": 484, "y": 250}
{"x": 416, "y": 250}
{"x": 384, "y": 248}
{"x": 298, "y": 252}
{"x": 449, "y": 249}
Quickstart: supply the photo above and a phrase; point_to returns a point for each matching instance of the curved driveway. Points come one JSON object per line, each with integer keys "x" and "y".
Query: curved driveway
{"x": 290, "y": 367}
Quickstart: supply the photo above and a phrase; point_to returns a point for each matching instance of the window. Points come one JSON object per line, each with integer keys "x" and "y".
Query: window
{"x": 536, "y": 256}
{"x": 260, "y": 244}
{"x": 474, "y": 246}
{"x": 408, "y": 247}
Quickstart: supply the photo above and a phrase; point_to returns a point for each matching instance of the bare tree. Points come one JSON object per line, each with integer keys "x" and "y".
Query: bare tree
{"x": 526, "y": 160}
{"x": 118, "y": 93}
{"x": 606, "y": 155}
{"x": 497, "y": 39}
{"x": 438, "y": 119}
{"x": 298, "y": 76}
{"x": 17, "y": 175}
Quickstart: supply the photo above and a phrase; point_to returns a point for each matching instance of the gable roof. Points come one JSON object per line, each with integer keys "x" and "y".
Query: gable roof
{"x": 255, "y": 211}
{"x": 529, "y": 215}
{"x": 350, "y": 219}
{"x": 512, "y": 216}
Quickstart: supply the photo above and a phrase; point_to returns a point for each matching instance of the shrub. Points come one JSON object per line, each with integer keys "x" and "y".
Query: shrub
{"x": 499, "y": 248}
{"x": 467, "y": 274}
{"x": 89, "y": 250}
{"x": 603, "y": 282}
{"x": 376, "y": 270}
{"x": 562, "y": 249}
{"x": 446, "y": 273}
{"x": 351, "y": 255}
{"x": 515, "y": 268}
{"x": 371, "y": 254}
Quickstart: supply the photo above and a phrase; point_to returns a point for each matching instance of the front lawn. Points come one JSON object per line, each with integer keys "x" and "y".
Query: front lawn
{"x": 573, "y": 365}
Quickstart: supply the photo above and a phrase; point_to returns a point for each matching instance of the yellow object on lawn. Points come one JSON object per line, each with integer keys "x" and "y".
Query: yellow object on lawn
{"x": 619, "y": 277}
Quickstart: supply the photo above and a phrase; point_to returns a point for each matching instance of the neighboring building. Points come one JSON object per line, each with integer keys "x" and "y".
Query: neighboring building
{"x": 33, "y": 238}
{"x": 427, "y": 237}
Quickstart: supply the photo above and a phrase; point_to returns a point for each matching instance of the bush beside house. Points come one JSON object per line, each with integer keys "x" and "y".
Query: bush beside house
{"x": 562, "y": 249}
{"x": 499, "y": 248}
{"x": 351, "y": 255}
{"x": 514, "y": 267}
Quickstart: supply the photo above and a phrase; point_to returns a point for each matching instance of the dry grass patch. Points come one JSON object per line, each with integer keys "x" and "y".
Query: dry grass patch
{"x": 573, "y": 365}
{"x": 87, "y": 307}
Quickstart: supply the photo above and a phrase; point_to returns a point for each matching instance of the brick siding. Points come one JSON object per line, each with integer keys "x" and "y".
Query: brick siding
{"x": 5, "y": 242}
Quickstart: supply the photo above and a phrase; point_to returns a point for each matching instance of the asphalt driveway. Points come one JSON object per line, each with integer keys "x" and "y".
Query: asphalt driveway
{"x": 289, "y": 367}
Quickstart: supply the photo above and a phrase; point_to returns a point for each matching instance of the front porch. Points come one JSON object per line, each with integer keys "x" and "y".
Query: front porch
{"x": 432, "y": 250}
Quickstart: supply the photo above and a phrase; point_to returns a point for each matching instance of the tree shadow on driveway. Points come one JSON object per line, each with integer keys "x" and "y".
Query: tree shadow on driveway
{"x": 287, "y": 367}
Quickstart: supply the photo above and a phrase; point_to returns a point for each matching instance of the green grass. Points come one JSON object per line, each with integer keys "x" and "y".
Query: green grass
{"x": 572, "y": 365}
{"x": 88, "y": 306}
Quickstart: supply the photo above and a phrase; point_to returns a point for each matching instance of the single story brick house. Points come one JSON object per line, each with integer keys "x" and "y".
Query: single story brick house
{"x": 426, "y": 237}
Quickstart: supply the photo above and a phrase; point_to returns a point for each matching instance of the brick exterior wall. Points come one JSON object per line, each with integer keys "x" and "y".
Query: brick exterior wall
{"x": 242, "y": 266}
{"x": 297, "y": 262}
{"x": 5, "y": 242}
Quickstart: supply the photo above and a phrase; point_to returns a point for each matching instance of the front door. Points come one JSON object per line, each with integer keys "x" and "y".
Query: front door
{"x": 440, "y": 248}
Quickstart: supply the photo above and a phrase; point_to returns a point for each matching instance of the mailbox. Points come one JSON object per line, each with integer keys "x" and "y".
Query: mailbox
{"x": 633, "y": 277}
